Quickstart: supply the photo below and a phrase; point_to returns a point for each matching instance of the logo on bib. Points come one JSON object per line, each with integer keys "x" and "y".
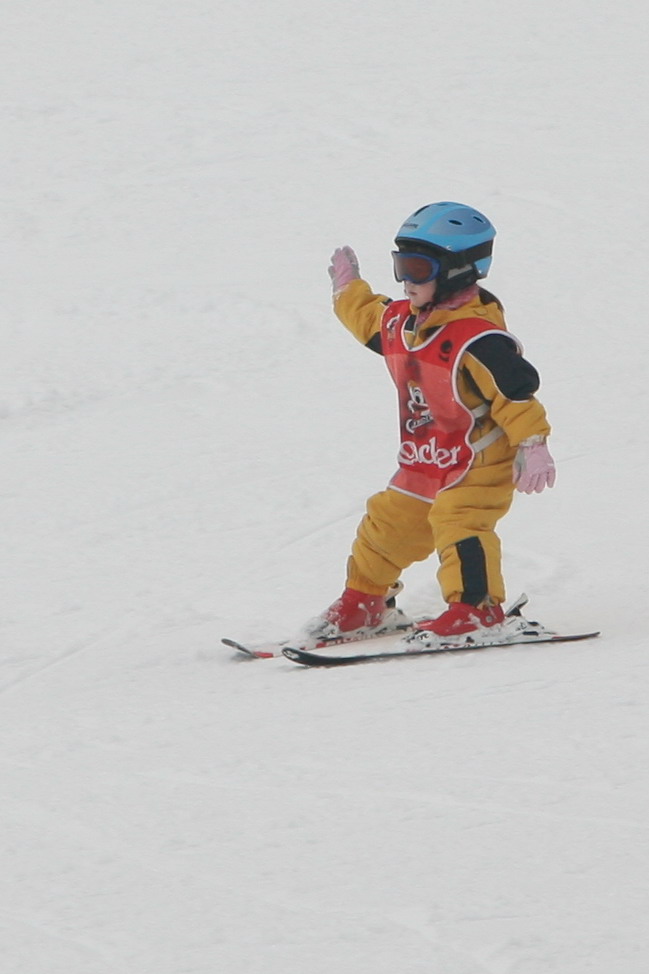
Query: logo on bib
{"x": 420, "y": 409}
{"x": 428, "y": 453}
{"x": 390, "y": 325}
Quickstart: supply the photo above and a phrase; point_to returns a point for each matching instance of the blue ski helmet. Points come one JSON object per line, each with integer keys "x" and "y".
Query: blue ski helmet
{"x": 458, "y": 235}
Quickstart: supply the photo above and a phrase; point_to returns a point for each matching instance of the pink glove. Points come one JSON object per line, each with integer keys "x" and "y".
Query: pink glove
{"x": 533, "y": 466}
{"x": 343, "y": 268}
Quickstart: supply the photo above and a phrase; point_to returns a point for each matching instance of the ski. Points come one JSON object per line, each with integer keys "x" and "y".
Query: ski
{"x": 272, "y": 650}
{"x": 522, "y": 631}
{"x": 313, "y": 658}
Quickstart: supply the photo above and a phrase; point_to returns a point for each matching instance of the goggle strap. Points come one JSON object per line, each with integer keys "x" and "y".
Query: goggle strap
{"x": 471, "y": 255}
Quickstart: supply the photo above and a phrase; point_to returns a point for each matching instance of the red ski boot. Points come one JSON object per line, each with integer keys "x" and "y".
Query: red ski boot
{"x": 461, "y": 624}
{"x": 355, "y": 610}
{"x": 356, "y": 615}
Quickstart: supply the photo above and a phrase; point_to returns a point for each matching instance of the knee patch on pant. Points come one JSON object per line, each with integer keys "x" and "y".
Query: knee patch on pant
{"x": 470, "y": 571}
{"x": 473, "y": 568}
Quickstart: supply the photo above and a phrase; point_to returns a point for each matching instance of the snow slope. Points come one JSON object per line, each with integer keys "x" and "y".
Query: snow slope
{"x": 188, "y": 439}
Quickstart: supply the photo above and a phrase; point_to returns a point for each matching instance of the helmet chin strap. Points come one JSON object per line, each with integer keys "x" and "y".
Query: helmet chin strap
{"x": 455, "y": 280}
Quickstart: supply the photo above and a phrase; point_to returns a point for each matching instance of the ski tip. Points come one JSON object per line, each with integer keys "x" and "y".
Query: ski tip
{"x": 293, "y": 654}
{"x": 248, "y": 651}
{"x": 308, "y": 659}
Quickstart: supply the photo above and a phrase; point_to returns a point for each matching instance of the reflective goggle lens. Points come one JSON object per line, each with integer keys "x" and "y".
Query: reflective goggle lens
{"x": 416, "y": 268}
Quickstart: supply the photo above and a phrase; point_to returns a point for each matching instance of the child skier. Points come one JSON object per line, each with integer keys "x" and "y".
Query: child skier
{"x": 471, "y": 429}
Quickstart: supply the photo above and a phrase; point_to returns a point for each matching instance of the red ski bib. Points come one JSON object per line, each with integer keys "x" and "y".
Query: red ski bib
{"x": 435, "y": 452}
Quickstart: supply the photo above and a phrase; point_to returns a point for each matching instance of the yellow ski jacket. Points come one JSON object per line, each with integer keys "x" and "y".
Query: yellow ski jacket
{"x": 490, "y": 372}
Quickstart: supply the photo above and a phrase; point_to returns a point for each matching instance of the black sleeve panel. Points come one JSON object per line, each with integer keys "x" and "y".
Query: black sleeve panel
{"x": 375, "y": 343}
{"x": 516, "y": 378}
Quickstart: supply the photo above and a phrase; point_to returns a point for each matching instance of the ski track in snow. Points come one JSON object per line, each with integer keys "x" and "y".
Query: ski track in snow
{"x": 189, "y": 438}
{"x": 76, "y": 648}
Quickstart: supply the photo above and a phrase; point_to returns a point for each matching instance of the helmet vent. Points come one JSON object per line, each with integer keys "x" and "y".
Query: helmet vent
{"x": 457, "y": 223}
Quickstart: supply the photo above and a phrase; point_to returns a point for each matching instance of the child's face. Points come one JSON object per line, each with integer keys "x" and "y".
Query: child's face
{"x": 420, "y": 294}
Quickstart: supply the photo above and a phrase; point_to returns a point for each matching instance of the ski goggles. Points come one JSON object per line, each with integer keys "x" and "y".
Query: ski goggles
{"x": 416, "y": 268}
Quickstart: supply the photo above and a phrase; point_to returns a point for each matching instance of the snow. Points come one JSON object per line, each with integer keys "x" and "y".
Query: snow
{"x": 188, "y": 439}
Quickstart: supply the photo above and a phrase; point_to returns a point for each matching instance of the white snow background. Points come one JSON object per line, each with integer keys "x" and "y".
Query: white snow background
{"x": 188, "y": 437}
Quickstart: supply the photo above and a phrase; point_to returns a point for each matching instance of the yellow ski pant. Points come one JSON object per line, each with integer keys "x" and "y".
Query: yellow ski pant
{"x": 459, "y": 524}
